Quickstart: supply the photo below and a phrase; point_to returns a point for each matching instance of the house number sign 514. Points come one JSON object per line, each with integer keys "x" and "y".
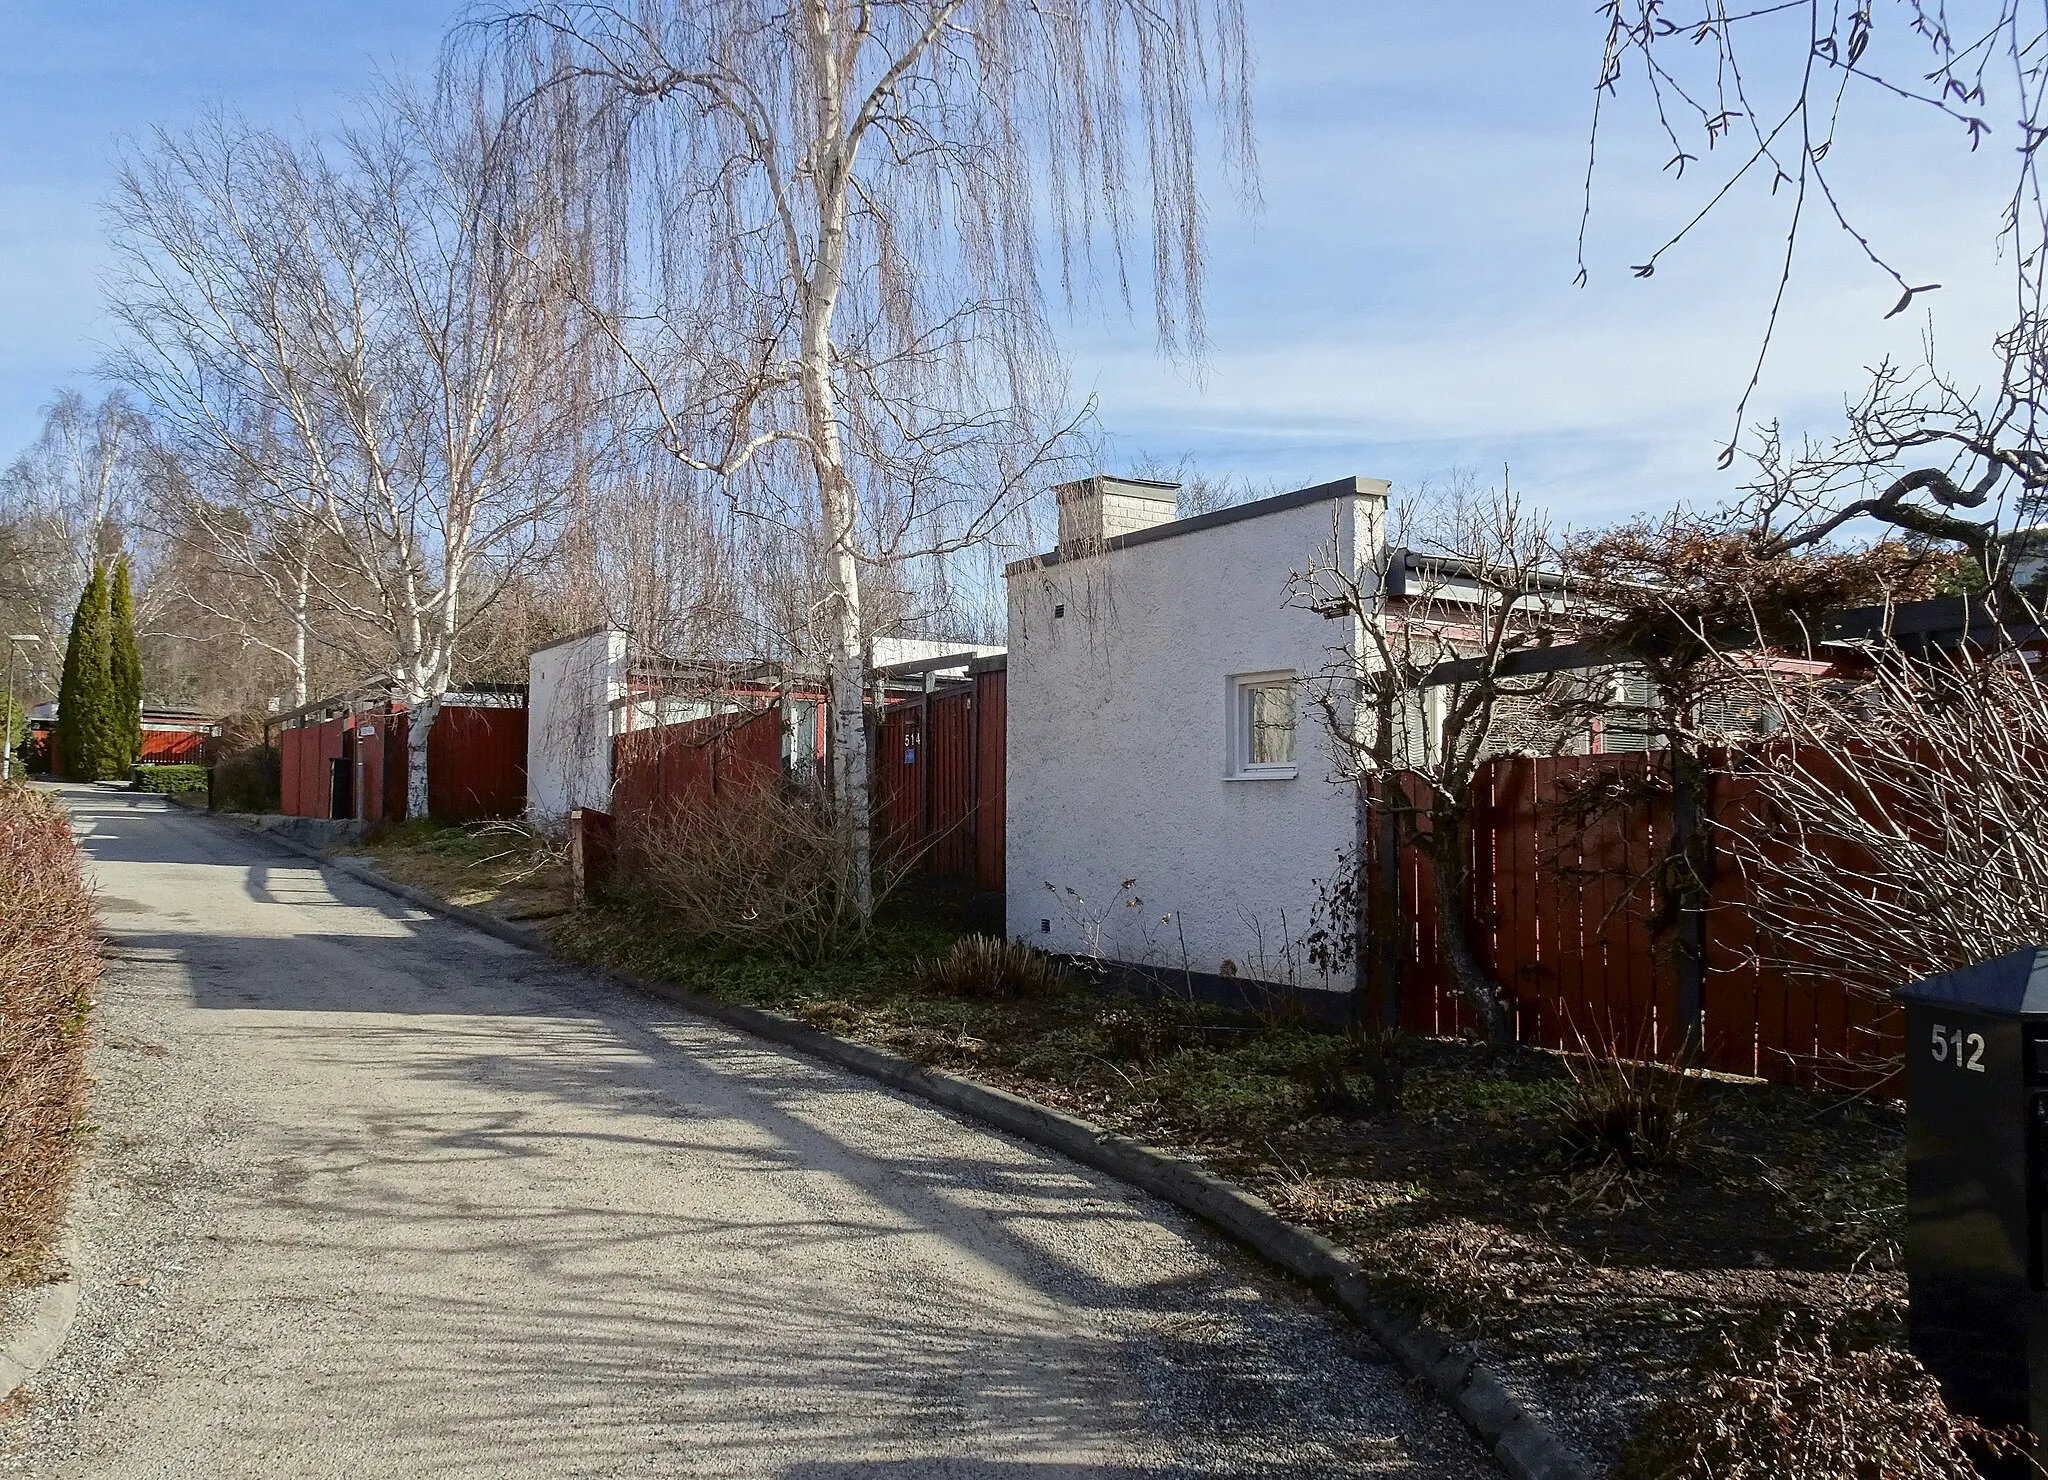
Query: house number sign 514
{"x": 1954, "y": 1046}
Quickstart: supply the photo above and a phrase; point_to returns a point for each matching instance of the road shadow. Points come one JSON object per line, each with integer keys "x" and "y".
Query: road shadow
{"x": 567, "y": 1225}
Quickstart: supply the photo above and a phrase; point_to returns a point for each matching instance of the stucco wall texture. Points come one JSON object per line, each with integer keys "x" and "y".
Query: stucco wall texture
{"x": 570, "y": 687}
{"x": 1127, "y": 837}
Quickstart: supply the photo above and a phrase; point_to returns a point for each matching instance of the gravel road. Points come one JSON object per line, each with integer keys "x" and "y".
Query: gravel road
{"x": 375, "y": 1195}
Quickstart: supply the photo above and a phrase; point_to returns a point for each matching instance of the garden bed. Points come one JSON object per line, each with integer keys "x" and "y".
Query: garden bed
{"x": 501, "y": 868}
{"x": 1592, "y": 1289}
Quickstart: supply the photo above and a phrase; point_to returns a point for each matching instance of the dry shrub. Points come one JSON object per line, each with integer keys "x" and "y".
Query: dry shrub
{"x": 758, "y": 867}
{"x": 1626, "y": 1112}
{"x": 49, "y": 961}
{"x": 247, "y": 780}
{"x": 987, "y": 966}
{"x": 1788, "y": 1400}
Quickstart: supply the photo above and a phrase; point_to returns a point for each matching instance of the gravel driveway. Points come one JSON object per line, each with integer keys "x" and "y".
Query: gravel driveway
{"x": 375, "y": 1195}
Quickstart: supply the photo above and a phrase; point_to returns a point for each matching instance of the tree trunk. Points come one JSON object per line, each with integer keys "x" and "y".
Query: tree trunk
{"x": 1446, "y": 845}
{"x": 302, "y": 603}
{"x": 828, "y": 460}
{"x": 419, "y": 726}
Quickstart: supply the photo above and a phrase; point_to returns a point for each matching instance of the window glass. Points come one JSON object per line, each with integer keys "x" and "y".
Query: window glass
{"x": 1269, "y": 723}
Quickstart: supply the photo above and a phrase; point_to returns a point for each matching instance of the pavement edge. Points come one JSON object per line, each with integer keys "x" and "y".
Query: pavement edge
{"x": 1523, "y": 1446}
{"x": 34, "y": 1344}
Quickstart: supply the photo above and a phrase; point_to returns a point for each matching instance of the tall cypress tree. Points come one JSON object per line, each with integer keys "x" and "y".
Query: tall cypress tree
{"x": 124, "y": 667}
{"x": 85, "y": 693}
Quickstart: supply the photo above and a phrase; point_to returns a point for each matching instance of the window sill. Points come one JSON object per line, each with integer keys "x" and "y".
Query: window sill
{"x": 1265, "y": 773}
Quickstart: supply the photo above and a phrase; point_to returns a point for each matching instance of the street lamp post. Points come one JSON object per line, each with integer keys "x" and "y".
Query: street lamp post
{"x": 14, "y": 640}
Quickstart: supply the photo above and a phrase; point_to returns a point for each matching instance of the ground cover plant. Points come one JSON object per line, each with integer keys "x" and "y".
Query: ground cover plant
{"x": 49, "y": 963}
{"x": 1602, "y": 1230}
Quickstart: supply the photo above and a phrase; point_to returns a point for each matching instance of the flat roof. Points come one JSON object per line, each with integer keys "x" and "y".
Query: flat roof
{"x": 1353, "y": 487}
{"x": 576, "y": 637}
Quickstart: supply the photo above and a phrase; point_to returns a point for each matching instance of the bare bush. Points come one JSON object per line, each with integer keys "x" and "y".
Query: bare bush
{"x": 1786, "y": 1401}
{"x": 759, "y": 867}
{"x": 989, "y": 966}
{"x": 248, "y": 780}
{"x": 49, "y": 962}
{"x": 1900, "y": 827}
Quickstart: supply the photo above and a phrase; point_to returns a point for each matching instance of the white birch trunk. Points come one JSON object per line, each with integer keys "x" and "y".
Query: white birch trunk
{"x": 828, "y": 458}
{"x": 419, "y": 727}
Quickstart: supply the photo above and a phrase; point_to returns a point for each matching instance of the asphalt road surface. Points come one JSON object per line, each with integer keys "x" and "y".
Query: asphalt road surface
{"x": 375, "y": 1195}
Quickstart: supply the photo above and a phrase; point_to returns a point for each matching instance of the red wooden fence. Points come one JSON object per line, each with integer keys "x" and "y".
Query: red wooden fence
{"x": 476, "y": 764}
{"x": 938, "y": 772}
{"x": 939, "y": 780}
{"x": 174, "y": 748}
{"x": 656, "y": 770}
{"x": 1564, "y": 905}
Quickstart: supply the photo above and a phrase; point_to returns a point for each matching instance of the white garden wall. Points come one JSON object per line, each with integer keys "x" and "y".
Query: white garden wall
{"x": 1127, "y": 836}
{"x": 570, "y": 686}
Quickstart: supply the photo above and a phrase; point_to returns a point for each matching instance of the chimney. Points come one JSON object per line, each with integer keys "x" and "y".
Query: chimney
{"x": 1097, "y": 509}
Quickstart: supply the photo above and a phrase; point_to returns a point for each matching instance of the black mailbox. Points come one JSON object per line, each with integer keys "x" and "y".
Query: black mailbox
{"x": 1977, "y": 1117}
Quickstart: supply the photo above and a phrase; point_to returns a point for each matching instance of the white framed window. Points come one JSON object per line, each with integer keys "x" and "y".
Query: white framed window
{"x": 1265, "y": 716}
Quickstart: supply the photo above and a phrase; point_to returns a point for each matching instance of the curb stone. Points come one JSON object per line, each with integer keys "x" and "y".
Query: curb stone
{"x": 35, "y": 1344}
{"x": 1523, "y": 1446}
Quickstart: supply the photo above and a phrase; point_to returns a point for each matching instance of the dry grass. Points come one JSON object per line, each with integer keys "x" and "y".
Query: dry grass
{"x": 1624, "y": 1114}
{"x": 1788, "y": 1399}
{"x": 501, "y": 867}
{"x": 49, "y": 962}
{"x": 987, "y": 966}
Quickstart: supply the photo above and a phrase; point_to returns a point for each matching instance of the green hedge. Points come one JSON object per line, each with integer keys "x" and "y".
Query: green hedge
{"x": 169, "y": 778}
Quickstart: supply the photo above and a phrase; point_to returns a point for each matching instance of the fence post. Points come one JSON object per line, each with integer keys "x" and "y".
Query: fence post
{"x": 1385, "y": 891}
{"x": 590, "y": 852}
{"x": 1690, "y": 847}
{"x": 924, "y": 757}
{"x": 785, "y": 705}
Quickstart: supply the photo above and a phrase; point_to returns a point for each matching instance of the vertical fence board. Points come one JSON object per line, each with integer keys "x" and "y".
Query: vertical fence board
{"x": 1563, "y": 905}
{"x": 991, "y": 727}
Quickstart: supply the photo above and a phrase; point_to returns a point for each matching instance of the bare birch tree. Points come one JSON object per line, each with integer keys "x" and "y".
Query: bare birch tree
{"x": 1423, "y": 699}
{"x": 73, "y": 497}
{"x": 373, "y": 341}
{"x": 826, "y": 245}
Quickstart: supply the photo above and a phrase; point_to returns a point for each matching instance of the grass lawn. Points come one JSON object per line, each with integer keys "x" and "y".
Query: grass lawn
{"x": 498, "y": 867}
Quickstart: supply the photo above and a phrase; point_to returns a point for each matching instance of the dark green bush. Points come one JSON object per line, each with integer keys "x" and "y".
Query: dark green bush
{"x": 168, "y": 779}
{"x": 248, "y": 780}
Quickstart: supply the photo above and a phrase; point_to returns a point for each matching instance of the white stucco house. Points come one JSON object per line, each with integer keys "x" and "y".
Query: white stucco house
{"x": 1171, "y": 801}
{"x": 571, "y": 686}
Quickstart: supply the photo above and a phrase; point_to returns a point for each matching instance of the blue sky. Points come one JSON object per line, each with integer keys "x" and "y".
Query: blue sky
{"x": 1403, "y": 305}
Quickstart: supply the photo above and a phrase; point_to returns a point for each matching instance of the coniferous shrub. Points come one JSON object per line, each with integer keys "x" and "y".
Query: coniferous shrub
{"x": 124, "y": 667}
{"x": 88, "y": 740}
